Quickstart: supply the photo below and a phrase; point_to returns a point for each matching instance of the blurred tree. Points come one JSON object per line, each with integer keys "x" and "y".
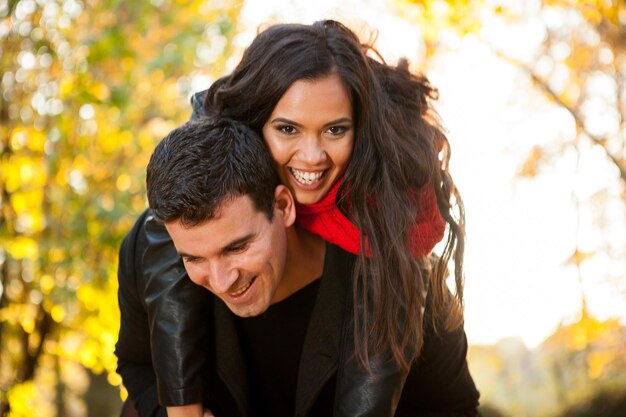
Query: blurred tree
{"x": 490, "y": 411}
{"x": 87, "y": 88}
{"x": 574, "y": 54}
{"x": 586, "y": 359}
{"x": 605, "y": 404}
{"x": 442, "y": 21}
{"x": 576, "y": 366}
{"x": 580, "y": 66}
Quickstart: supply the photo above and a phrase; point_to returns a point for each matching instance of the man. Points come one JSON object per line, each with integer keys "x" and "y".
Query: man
{"x": 237, "y": 240}
{"x": 279, "y": 302}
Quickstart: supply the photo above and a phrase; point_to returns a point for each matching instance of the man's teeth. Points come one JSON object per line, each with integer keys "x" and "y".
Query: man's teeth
{"x": 306, "y": 178}
{"x": 242, "y": 289}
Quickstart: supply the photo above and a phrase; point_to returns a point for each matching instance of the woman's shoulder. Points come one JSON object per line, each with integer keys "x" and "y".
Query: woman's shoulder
{"x": 197, "y": 104}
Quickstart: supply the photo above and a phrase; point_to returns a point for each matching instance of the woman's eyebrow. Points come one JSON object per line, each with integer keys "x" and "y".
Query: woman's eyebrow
{"x": 339, "y": 121}
{"x": 292, "y": 122}
{"x": 285, "y": 121}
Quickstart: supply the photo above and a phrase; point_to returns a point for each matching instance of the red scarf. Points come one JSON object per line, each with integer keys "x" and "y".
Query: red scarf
{"x": 326, "y": 220}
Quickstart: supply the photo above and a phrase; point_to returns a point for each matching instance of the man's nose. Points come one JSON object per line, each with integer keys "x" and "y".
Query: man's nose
{"x": 221, "y": 276}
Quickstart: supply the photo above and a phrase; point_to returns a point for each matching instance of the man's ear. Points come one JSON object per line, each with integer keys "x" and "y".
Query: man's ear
{"x": 284, "y": 205}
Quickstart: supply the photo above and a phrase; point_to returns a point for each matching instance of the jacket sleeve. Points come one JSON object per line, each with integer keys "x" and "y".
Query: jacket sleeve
{"x": 439, "y": 384}
{"x": 177, "y": 309}
{"x": 359, "y": 392}
{"x": 133, "y": 346}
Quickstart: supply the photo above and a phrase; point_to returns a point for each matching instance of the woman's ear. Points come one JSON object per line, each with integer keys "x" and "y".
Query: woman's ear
{"x": 284, "y": 205}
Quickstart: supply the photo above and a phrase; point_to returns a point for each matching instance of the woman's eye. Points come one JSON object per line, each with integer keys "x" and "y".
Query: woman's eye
{"x": 287, "y": 129}
{"x": 337, "y": 130}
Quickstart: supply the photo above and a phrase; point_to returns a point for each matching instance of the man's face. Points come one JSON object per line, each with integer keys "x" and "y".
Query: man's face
{"x": 239, "y": 255}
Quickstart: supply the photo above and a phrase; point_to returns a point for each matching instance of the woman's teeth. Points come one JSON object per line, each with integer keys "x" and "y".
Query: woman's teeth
{"x": 306, "y": 178}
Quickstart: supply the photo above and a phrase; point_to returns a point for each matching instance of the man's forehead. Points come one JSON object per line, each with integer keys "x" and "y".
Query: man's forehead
{"x": 228, "y": 206}
{"x": 236, "y": 219}
{"x": 235, "y": 204}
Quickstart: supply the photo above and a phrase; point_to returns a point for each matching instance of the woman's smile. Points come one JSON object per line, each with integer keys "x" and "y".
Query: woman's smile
{"x": 306, "y": 177}
{"x": 310, "y": 135}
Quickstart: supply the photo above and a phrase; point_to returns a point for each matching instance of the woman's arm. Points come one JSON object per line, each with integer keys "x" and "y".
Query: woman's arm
{"x": 176, "y": 309}
{"x": 133, "y": 346}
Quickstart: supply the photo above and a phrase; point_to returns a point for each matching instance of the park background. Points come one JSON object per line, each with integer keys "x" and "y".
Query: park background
{"x": 533, "y": 96}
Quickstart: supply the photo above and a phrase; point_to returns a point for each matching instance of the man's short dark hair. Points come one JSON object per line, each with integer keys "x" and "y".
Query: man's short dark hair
{"x": 203, "y": 163}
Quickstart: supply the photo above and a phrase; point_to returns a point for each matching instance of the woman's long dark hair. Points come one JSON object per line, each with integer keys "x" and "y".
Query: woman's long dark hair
{"x": 399, "y": 147}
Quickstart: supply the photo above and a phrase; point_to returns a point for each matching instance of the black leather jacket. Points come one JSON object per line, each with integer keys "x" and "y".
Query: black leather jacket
{"x": 174, "y": 340}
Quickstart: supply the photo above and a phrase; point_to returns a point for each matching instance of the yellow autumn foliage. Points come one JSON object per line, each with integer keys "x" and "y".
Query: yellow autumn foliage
{"x": 88, "y": 88}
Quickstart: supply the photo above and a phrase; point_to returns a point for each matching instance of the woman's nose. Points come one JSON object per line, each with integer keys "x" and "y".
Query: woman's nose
{"x": 311, "y": 151}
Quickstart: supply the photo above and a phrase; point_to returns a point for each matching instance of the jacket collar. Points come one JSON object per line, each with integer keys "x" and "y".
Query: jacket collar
{"x": 229, "y": 360}
{"x": 322, "y": 343}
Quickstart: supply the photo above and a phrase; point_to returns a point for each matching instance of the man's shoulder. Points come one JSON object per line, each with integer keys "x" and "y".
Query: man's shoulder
{"x": 336, "y": 281}
{"x": 339, "y": 259}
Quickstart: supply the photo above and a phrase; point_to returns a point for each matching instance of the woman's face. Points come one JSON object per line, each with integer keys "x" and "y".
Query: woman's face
{"x": 310, "y": 135}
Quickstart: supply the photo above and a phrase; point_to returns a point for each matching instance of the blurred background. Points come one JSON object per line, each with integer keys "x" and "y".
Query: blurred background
{"x": 533, "y": 96}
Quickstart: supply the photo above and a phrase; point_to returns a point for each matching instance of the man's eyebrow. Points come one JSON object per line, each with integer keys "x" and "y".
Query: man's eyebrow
{"x": 229, "y": 245}
{"x": 185, "y": 255}
{"x": 238, "y": 241}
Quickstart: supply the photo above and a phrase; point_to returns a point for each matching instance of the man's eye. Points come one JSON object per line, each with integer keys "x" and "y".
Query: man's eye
{"x": 237, "y": 249}
{"x": 190, "y": 259}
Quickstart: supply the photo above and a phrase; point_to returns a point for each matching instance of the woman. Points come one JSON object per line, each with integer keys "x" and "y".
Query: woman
{"x": 373, "y": 181}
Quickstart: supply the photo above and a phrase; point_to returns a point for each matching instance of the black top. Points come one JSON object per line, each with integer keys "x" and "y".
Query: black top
{"x": 272, "y": 344}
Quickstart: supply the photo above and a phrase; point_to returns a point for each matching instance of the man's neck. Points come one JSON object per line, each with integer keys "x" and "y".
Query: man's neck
{"x": 304, "y": 263}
